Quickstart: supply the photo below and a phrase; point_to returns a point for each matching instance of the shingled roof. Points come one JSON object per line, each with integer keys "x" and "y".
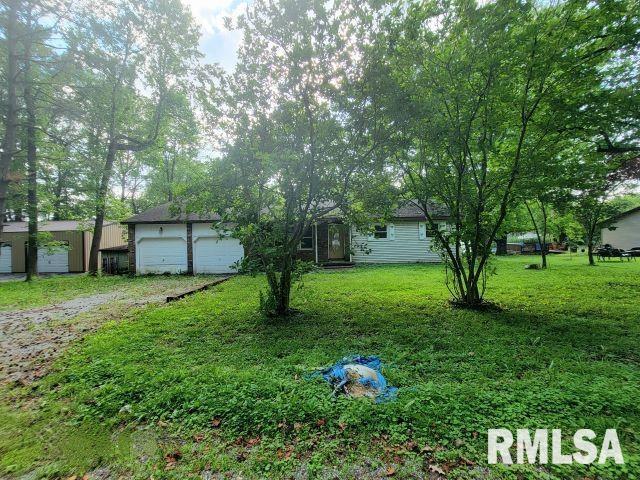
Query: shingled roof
{"x": 622, "y": 214}
{"x": 411, "y": 210}
{"x": 166, "y": 214}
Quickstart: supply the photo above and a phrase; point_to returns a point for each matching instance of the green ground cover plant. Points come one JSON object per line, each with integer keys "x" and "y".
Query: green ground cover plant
{"x": 208, "y": 385}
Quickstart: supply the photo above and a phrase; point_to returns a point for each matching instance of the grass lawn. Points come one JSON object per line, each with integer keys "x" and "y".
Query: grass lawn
{"x": 17, "y": 295}
{"x": 208, "y": 385}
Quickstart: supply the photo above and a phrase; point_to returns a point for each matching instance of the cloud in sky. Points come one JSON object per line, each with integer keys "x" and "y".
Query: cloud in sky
{"x": 217, "y": 43}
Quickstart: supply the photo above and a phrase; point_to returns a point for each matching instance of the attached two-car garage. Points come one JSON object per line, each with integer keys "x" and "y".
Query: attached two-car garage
{"x": 164, "y": 248}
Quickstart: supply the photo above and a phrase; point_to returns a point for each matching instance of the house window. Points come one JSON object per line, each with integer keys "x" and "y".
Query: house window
{"x": 425, "y": 231}
{"x": 431, "y": 232}
{"x": 306, "y": 243}
{"x": 380, "y": 231}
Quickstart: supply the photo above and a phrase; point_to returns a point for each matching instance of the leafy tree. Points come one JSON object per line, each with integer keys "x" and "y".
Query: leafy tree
{"x": 541, "y": 186}
{"x": 174, "y": 159}
{"x": 128, "y": 178}
{"x": 625, "y": 202}
{"x": 471, "y": 94}
{"x": 39, "y": 68}
{"x": 297, "y": 140}
{"x": 9, "y": 15}
{"x": 29, "y": 83}
{"x": 594, "y": 178}
{"x": 132, "y": 55}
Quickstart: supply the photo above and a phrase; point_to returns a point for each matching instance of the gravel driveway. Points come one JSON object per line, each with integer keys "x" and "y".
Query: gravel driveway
{"x": 31, "y": 339}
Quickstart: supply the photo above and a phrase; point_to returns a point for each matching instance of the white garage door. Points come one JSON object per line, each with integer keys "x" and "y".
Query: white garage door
{"x": 162, "y": 255}
{"x": 53, "y": 260}
{"x": 216, "y": 254}
{"x": 5, "y": 258}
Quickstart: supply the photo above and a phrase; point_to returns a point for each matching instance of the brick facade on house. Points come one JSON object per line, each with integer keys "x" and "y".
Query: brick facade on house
{"x": 190, "y": 248}
{"x": 323, "y": 242}
{"x": 131, "y": 243}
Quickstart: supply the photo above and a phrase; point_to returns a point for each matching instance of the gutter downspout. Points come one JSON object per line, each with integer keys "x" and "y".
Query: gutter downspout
{"x": 350, "y": 249}
{"x": 315, "y": 239}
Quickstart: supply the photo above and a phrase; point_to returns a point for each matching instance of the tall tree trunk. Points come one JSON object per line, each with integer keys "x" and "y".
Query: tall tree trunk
{"x": 284, "y": 293}
{"x": 591, "y": 234}
{"x": 123, "y": 188}
{"x": 57, "y": 193}
{"x": 101, "y": 207}
{"x": 541, "y": 236}
{"x": 543, "y": 248}
{"x": 472, "y": 295}
{"x": 32, "y": 164}
{"x": 11, "y": 118}
{"x": 501, "y": 246}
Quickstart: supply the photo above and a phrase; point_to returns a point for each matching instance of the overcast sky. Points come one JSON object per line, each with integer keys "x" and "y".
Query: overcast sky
{"x": 217, "y": 43}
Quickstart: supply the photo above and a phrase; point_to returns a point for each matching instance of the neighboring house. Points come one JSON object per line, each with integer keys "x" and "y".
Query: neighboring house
{"x": 624, "y": 230}
{"x": 523, "y": 243}
{"x": 72, "y": 257}
{"x": 161, "y": 241}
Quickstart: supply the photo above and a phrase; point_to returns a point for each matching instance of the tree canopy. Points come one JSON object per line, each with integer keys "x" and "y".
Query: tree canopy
{"x": 483, "y": 108}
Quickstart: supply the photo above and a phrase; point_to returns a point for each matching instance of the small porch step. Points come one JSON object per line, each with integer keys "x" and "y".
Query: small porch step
{"x": 337, "y": 265}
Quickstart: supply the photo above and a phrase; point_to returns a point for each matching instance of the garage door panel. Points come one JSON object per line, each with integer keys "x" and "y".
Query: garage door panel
{"x": 162, "y": 255}
{"x": 216, "y": 255}
{"x": 5, "y": 259}
{"x": 53, "y": 260}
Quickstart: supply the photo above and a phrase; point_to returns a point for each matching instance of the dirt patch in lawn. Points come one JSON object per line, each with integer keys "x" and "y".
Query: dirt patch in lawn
{"x": 31, "y": 339}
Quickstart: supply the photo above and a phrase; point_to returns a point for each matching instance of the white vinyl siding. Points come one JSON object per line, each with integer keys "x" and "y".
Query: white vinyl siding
{"x": 214, "y": 252}
{"x": 5, "y": 258}
{"x": 405, "y": 245}
{"x": 161, "y": 248}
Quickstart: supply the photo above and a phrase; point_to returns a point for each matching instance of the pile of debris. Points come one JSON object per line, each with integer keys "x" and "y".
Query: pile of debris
{"x": 359, "y": 376}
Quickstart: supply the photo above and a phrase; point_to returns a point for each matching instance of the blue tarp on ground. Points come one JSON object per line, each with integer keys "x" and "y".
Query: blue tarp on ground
{"x": 343, "y": 375}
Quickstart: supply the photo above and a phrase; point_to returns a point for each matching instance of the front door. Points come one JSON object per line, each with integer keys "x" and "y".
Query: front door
{"x": 337, "y": 241}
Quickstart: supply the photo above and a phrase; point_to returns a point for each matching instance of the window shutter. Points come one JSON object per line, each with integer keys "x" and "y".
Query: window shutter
{"x": 391, "y": 232}
{"x": 422, "y": 231}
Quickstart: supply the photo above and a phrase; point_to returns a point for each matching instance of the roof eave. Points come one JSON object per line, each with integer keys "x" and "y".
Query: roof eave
{"x": 129, "y": 222}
